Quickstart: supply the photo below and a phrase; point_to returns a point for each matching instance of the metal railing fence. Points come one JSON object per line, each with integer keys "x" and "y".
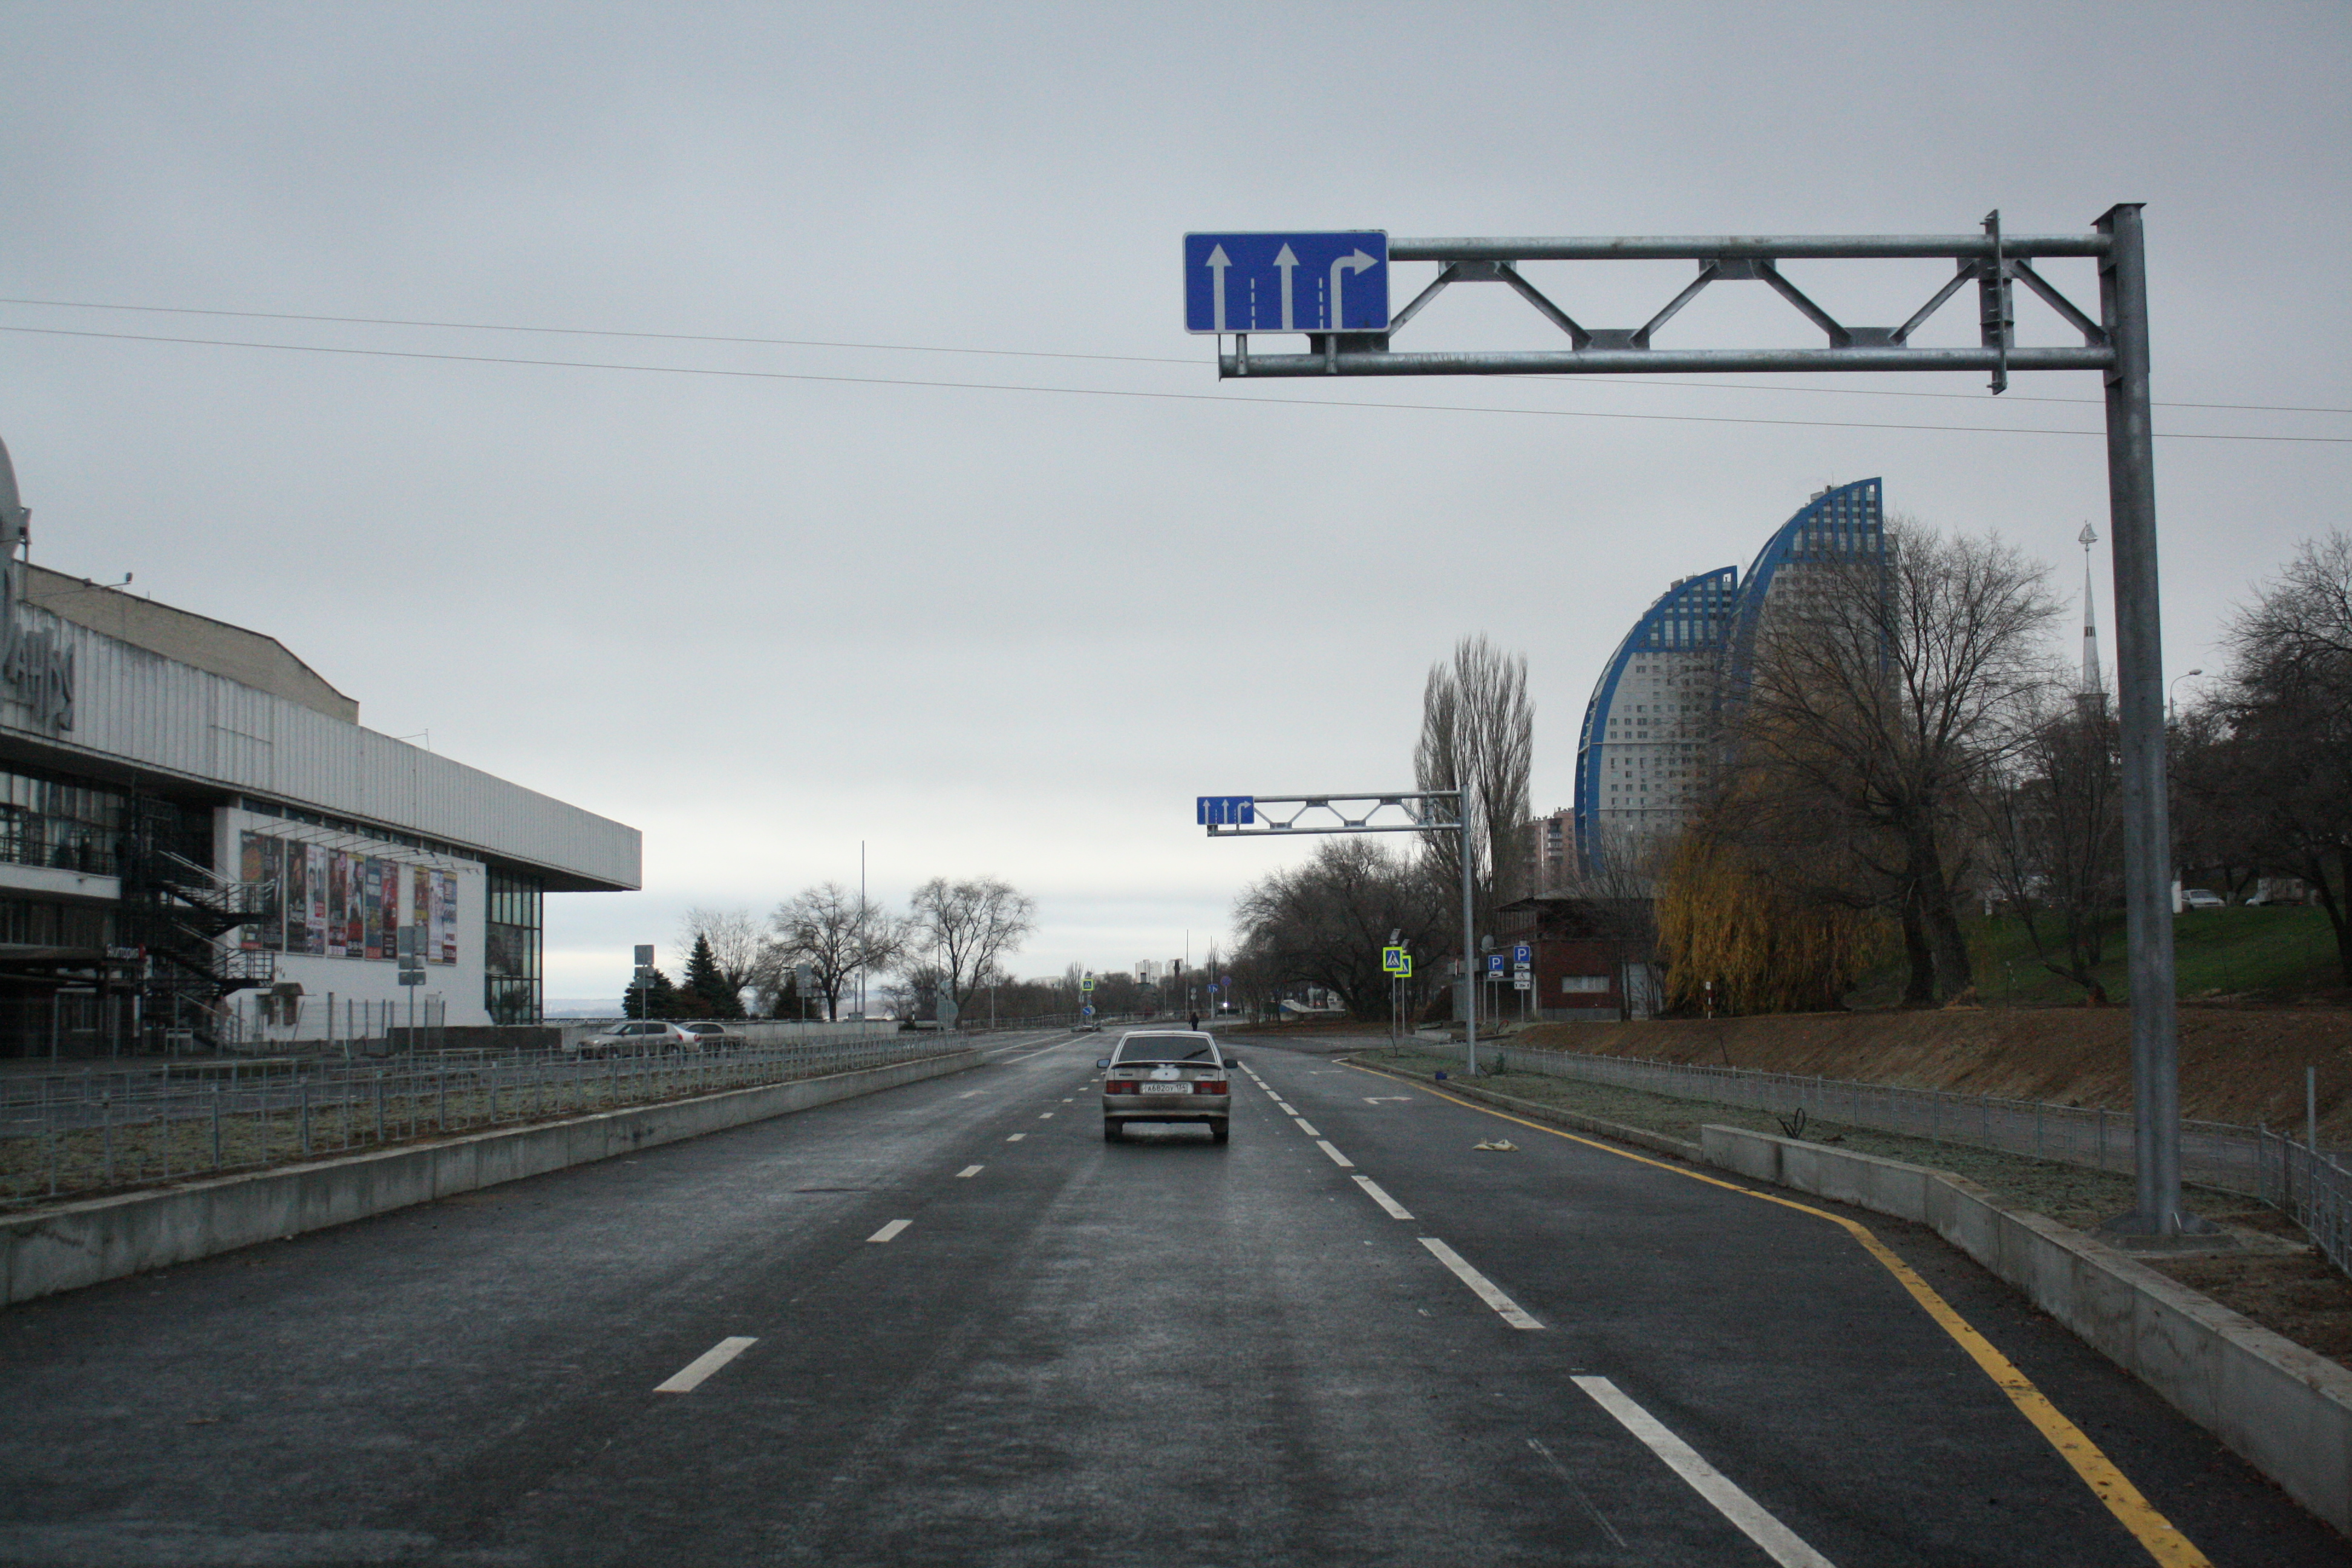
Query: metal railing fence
{"x": 2313, "y": 1188}
{"x": 75, "y": 1134}
{"x": 2311, "y": 1185}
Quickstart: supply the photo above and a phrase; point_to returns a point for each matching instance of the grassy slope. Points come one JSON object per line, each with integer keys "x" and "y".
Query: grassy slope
{"x": 2285, "y": 954}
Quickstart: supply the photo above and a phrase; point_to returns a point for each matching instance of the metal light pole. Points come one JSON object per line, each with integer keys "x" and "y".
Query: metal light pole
{"x": 2116, "y": 345}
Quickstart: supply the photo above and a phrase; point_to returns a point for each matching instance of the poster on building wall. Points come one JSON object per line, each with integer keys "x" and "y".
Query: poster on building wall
{"x": 420, "y": 905}
{"x": 355, "y": 912}
{"x": 273, "y": 903}
{"x": 372, "y": 907}
{"x": 339, "y": 894}
{"x": 314, "y": 858}
{"x": 297, "y": 884}
{"x": 448, "y": 944}
{"x": 248, "y": 869}
{"x": 391, "y": 910}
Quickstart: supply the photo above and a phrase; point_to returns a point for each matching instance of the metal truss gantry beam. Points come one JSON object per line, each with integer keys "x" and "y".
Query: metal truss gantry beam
{"x": 1376, "y": 811}
{"x": 2115, "y": 344}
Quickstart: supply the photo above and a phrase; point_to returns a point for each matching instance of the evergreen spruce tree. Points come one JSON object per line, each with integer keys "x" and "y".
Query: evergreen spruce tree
{"x": 704, "y": 984}
{"x": 657, "y": 1001}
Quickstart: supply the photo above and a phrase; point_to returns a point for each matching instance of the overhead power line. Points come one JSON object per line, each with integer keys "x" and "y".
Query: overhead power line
{"x": 1053, "y": 354}
{"x": 1121, "y": 392}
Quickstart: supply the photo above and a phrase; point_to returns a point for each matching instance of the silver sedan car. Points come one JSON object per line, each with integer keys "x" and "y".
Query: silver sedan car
{"x": 1166, "y": 1075}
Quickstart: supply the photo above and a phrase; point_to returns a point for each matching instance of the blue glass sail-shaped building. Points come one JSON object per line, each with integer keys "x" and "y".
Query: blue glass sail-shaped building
{"x": 1647, "y": 740}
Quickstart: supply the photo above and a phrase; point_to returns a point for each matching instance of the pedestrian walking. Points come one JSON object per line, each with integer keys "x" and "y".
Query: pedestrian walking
{"x": 1196, "y": 1020}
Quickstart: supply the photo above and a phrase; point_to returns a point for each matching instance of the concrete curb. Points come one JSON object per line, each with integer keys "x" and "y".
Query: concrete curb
{"x": 77, "y": 1244}
{"x": 2286, "y": 1410}
{"x": 1535, "y": 1110}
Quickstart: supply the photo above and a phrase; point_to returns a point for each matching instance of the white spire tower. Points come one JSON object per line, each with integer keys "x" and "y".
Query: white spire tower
{"x": 2092, "y": 686}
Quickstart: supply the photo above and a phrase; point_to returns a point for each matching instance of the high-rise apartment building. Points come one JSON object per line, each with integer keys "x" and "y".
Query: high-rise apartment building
{"x": 1650, "y": 729}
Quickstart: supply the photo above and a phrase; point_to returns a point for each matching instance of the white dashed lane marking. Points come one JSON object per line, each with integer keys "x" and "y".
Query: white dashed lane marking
{"x": 969, "y": 1171}
{"x": 1480, "y": 1286}
{"x": 1045, "y": 1116}
{"x": 890, "y": 1232}
{"x": 1304, "y": 1126}
{"x": 1778, "y": 1541}
{"x": 1016, "y": 1138}
{"x": 1372, "y": 1190}
{"x": 689, "y": 1377}
{"x": 1337, "y": 1157}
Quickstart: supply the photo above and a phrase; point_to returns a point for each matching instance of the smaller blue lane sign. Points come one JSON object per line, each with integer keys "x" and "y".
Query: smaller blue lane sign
{"x": 1522, "y": 956}
{"x": 1286, "y": 282}
{"x": 1494, "y": 964}
{"x": 1224, "y": 810}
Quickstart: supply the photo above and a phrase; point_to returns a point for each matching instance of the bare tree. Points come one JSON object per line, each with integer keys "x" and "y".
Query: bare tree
{"x": 2279, "y": 763}
{"x": 2053, "y": 837}
{"x": 1477, "y": 735}
{"x": 1326, "y": 922}
{"x": 738, "y": 951}
{"x": 1881, "y": 691}
{"x": 836, "y": 935}
{"x": 965, "y": 929}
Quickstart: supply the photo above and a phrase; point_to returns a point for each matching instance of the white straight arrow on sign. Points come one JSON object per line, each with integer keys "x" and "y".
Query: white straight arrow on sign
{"x": 1218, "y": 262}
{"x": 1285, "y": 261}
{"x": 1356, "y": 261}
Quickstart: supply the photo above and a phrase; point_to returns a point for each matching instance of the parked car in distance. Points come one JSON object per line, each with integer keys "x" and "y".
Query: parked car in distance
{"x": 2203, "y": 899}
{"x": 714, "y": 1037}
{"x": 640, "y": 1038}
{"x": 1166, "y": 1075}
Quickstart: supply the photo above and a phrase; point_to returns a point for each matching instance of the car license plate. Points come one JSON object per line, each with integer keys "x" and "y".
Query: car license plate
{"x": 1167, "y": 1088}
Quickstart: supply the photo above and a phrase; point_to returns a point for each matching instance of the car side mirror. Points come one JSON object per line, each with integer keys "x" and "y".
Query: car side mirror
{"x": 1232, "y": 1061}
{"x": 1101, "y": 1062}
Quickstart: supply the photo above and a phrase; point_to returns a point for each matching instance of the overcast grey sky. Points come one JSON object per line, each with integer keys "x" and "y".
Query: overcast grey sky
{"x": 1016, "y": 631}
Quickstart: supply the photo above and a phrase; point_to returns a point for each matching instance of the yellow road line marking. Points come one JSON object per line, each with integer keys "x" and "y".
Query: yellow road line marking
{"x": 2160, "y": 1537}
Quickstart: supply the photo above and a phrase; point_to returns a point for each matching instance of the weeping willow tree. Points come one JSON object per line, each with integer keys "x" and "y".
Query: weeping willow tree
{"x": 1727, "y": 914}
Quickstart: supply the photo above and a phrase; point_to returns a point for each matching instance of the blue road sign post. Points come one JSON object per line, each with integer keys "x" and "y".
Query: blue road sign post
{"x": 1522, "y": 956}
{"x": 1286, "y": 282}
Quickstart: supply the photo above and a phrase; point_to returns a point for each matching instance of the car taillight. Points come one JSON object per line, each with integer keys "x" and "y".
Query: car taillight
{"x": 1210, "y": 1086}
{"x": 1117, "y": 1086}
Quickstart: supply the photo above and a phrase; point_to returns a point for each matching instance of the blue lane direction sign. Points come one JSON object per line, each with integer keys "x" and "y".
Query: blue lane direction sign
{"x": 1286, "y": 282}
{"x": 1224, "y": 810}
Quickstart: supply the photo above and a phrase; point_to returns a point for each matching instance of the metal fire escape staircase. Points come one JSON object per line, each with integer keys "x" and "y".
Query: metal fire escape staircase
{"x": 177, "y": 911}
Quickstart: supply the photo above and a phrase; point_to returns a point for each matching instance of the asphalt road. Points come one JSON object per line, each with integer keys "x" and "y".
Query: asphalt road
{"x": 948, "y": 1324}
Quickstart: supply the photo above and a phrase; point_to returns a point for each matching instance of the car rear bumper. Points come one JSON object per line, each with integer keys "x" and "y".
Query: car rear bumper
{"x": 1167, "y": 1107}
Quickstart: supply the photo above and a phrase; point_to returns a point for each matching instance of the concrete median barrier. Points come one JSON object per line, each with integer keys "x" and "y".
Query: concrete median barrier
{"x": 2286, "y": 1410}
{"x": 71, "y": 1245}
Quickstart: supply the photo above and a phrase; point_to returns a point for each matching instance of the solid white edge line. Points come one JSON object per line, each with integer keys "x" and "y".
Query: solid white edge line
{"x": 1304, "y": 1126}
{"x": 969, "y": 1171}
{"x": 687, "y": 1377}
{"x": 889, "y": 1232}
{"x": 1337, "y": 1157}
{"x": 1779, "y": 1542}
{"x": 1372, "y": 1190}
{"x": 1480, "y": 1286}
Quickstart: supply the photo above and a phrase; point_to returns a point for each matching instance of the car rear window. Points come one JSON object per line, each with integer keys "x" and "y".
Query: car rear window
{"x": 1167, "y": 1048}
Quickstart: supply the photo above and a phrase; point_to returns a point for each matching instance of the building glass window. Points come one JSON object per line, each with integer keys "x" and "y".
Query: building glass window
{"x": 70, "y": 824}
{"x": 510, "y": 947}
{"x": 36, "y": 923}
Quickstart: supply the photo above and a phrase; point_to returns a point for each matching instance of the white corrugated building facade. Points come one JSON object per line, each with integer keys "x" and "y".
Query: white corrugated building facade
{"x": 201, "y": 848}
